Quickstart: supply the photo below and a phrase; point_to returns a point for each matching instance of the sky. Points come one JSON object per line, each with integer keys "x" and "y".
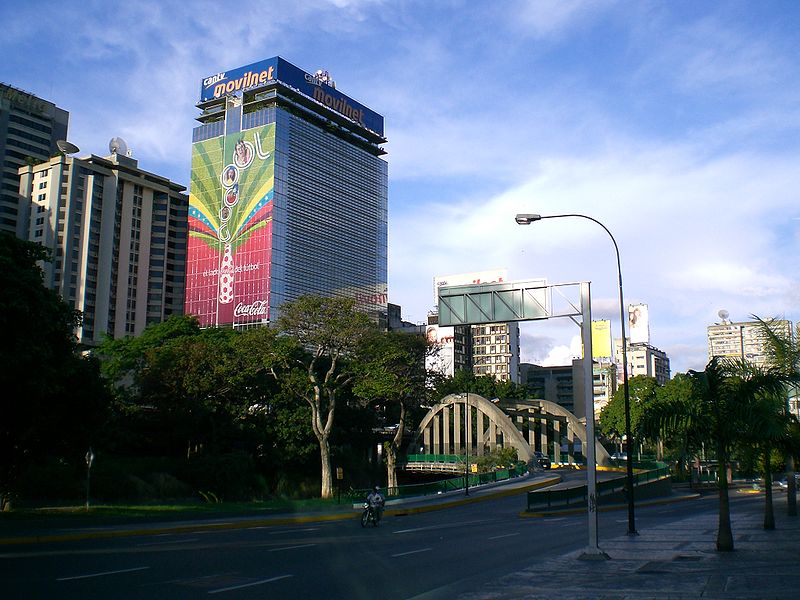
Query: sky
{"x": 676, "y": 124}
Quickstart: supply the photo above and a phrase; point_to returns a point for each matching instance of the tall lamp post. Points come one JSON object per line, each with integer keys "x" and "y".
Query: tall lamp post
{"x": 527, "y": 219}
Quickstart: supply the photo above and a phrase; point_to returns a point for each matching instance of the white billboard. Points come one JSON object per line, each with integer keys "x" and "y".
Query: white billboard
{"x": 475, "y": 278}
{"x": 638, "y": 324}
{"x": 443, "y": 338}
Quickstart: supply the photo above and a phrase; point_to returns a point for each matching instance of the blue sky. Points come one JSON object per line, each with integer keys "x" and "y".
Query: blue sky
{"x": 674, "y": 123}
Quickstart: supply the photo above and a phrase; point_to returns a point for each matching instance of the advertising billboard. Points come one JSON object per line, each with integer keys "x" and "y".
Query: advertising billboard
{"x": 276, "y": 69}
{"x": 638, "y": 324}
{"x": 475, "y": 278}
{"x": 601, "y": 339}
{"x": 230, "y": 228}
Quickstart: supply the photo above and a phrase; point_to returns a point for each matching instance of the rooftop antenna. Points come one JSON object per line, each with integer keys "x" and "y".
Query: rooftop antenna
{"x": 67, "y": 147}
{"x": 118, "y": 146}
{"x": 723, "y": 314}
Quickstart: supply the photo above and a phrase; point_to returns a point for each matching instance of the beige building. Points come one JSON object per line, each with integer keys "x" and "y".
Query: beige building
{"x": 744, "y": 340}
{"x": 643, "y": 359}
{"x": 118, "y": 239}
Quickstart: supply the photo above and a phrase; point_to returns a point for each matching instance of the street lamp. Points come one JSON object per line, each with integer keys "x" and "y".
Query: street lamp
{"x": 527, "y": 219}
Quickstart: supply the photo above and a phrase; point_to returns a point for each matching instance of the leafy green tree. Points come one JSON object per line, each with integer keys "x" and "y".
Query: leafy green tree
{"x": 783, "y": 352}
{"x": 677, "y": 391}
{"x": 332, "y": 330}
{"x": 642, "y": 392}
{"x": 487, "y": 386}
{"x": 50, "y": 399}
{"x": 392, "y": 375}
{"x": 719, "y": 410}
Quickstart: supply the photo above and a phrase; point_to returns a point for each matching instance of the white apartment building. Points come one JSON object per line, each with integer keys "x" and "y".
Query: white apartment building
{"x": 643, "y": 359}
{"x": 118, "y": 238}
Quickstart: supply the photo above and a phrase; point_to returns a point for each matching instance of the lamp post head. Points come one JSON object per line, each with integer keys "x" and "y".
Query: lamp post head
{"x": 527, "y": 218}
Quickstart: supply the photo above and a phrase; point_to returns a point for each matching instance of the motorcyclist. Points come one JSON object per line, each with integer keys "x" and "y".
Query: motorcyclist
{"x": 375, "y": 500}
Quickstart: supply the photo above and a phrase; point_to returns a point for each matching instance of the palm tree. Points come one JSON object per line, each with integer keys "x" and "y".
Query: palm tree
{"x": 783, "y": 353}
{"x": 717, "y": 408}
{"x": 768, "y": 425}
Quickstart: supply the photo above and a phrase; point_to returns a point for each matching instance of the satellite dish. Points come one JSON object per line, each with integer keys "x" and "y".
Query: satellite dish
{"x": 117, "y": 146}
{"x": 67, "y": 147}
{"x": 723, "y": 314}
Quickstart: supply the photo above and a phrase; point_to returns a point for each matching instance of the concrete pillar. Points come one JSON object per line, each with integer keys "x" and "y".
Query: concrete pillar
{"x": 458, "y": 447}
{"x": 437, "y": 443}
{"x": 426, "y": 440}
{"x": 446, "y": 430}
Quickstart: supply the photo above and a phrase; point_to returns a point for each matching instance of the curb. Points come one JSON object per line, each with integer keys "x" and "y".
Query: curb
{"x": 607, "y": 507}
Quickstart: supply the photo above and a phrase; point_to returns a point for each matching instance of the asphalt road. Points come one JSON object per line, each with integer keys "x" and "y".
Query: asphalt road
{"x": 430, "y": 555}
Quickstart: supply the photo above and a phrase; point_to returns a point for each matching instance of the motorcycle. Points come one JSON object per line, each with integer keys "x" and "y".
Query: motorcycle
{"x": 369, "y": 516}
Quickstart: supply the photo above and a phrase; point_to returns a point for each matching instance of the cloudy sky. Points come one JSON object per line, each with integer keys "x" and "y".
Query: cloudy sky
{"x": 676, "y": 124}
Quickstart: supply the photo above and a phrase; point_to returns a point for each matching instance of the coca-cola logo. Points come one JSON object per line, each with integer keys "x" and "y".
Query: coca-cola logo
{"x": 256, "y": 309}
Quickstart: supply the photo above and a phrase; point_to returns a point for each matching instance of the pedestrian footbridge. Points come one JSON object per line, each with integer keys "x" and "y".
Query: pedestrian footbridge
{"x": 470, "y": 425}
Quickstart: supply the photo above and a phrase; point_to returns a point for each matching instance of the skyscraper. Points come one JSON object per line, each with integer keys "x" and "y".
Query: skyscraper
{"x": 288, "y": 196}
{"x": 118, "y": 238}
{"x": 29, "y": 129}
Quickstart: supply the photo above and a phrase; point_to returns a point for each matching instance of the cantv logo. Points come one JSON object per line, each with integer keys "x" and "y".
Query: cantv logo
{"x": 246, "y": 81}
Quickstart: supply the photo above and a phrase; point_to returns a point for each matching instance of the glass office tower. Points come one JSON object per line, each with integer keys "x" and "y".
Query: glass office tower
{"x": 288, "y": 196}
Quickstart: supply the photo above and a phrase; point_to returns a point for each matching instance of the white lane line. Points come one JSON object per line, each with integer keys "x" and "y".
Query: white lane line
{"x": 412, "y": 552}
{"x": 461, "y": 524}
{"x": 498, "y": 537}
{"x": 288, "y": 530}
{"x": 244, "y": 585}
{"x": 102, "y": 574}
{"x": 186, "y": 541}
{"x": 291, "y": 547}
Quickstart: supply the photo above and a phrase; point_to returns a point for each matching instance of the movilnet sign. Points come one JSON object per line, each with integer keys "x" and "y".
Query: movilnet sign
{"x": 276, "y": 69}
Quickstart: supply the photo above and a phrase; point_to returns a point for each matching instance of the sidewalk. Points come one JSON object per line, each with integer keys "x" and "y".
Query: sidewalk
{"x": 672, "y": 561}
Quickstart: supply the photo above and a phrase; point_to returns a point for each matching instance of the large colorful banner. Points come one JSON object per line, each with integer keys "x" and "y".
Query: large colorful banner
{"x": 230, "y": 228}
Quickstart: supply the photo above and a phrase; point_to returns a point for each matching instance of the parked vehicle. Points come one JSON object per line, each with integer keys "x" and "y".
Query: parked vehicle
{"x": 784, "y": 483}
{"x": 619, "y": 456}
{"x": 542, "y": 459}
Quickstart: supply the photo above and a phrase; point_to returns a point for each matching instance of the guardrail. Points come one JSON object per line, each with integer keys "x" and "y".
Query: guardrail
{"x": 444, "y": 485}
{"x": 578, "y": 496}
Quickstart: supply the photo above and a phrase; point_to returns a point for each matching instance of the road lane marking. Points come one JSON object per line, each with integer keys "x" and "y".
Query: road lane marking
{"x": 498, "y": 537}
{"x": 288, "y": 530}
{"x": 87, "y": 576}
{"x": 169, "y": 542}
{"x": 447, "y": 526}
{"x": 251, "y": 584}
{"x": 291, "y": 547}
{"x": 412, "y": 552}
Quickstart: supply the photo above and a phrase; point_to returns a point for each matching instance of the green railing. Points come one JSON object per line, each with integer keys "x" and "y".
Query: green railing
{"x": 443, "y": 485}
{"x": 577, "y": 496}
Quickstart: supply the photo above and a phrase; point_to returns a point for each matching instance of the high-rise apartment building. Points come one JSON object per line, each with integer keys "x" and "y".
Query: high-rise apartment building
{"x": 288, "y": 196}
{"x": 117, "y": 235}
{"x": 744, "y": 340}
{"x": 29, "y": 129}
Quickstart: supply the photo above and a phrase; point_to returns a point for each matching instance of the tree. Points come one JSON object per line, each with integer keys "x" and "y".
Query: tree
{"x": 50, "y": 399}
{"x": 331, "y": 329}
{"x": 719, "y": 409}
{"x": 783, "y": 353}
{"x": 642, "y": 391}
{"x": 392, "y": 375}
{"x": 677, "y": 391}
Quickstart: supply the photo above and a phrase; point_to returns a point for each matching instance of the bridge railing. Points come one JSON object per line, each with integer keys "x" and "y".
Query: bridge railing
{"x": 443, "y": 485}
{"x": 578, "y": 496}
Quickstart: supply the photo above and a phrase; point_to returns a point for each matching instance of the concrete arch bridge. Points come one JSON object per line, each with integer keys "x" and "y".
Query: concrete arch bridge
{"x": 486, "y": 425}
